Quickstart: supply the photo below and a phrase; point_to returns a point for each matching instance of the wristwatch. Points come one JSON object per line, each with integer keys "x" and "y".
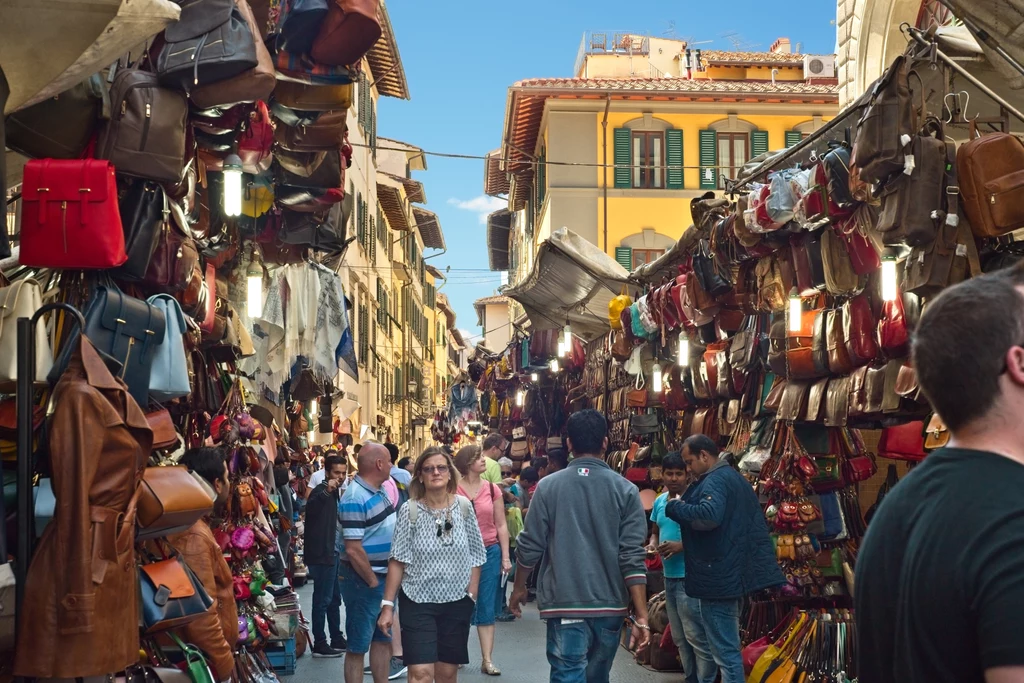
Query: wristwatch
{"x": 387, "y": 603}
{"x": 471, "y": 596}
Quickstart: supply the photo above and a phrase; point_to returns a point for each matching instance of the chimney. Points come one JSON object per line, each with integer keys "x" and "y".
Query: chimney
{"x": 781, "y": 46}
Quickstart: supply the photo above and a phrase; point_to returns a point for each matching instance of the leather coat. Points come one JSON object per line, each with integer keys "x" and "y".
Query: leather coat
{"x": 81, "y": 609}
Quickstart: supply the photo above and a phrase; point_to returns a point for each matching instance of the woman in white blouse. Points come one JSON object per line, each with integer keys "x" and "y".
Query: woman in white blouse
{"x": 436, "y": 557}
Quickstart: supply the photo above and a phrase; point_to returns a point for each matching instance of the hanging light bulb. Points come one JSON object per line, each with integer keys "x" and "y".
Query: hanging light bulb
{"x": 658, "y": 385}
{"x": 554, "y": 365}
{"x": 567, "y": 336}
{"x": 534, "y": 377}
{"x": 254, "y": 278}
{"x": 232, "y": 185}
{"x": 795, "y": 310}
{"x": 314, "y": 407}
{"x": 561, "y": 348}
{"x": 684, "y": 350}
{"x": 519, "y": 398}
{"x": 889, "y": 286}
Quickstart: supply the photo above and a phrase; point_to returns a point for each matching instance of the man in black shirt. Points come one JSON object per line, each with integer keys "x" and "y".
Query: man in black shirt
{"x": 321, "y": 556}
{"x": 940, "y": 575}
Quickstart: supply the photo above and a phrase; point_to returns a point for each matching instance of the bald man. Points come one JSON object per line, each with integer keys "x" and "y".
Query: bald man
{"x": 367, "y": 526}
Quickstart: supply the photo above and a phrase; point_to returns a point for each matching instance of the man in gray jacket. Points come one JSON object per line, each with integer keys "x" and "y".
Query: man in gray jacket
{"x": 588, "y": 525}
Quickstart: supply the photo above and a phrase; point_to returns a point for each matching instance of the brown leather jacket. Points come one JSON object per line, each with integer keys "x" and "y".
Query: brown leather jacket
{"x": 216, "y": 632}
{"x": 81, "y": 610}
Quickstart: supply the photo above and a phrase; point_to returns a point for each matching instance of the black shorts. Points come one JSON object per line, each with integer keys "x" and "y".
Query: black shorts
{"x": 435, "y": 632}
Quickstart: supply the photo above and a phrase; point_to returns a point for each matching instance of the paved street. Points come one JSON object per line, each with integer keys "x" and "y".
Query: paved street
{"x": 519, "y": 653}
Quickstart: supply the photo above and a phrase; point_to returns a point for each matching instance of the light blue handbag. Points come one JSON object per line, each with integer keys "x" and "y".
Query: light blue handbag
{"x": 169, "y": 377}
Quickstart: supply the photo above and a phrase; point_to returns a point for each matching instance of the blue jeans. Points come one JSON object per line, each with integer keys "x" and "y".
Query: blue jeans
{"x": 582, "y": 650}
{"x": 688, "y": 633}
{"x": 490, "y": 577}
{"x": 326, "y": 602}
{"x": 362, "y": 607}
{"x": 722, "y": 626}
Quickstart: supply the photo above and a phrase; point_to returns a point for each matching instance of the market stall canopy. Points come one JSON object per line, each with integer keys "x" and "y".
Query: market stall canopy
{"x": 571, "y": 279}
{"x": 48, "y": 46}
{"x": 999, "y": 27}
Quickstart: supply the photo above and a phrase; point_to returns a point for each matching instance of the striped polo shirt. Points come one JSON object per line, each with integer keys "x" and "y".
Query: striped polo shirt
{"x": 367, "y": 515}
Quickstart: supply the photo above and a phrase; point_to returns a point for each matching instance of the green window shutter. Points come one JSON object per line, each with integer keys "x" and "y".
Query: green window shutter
{"x": 371, "y": 238}
{"x": 398, "y": 381}
{"x": 360, "y": 226}
{"x": 373, "y": 124}
{"x": 623, "y": 158}
{"x": 758, "y": 143}
{"x": 624, "y": 255}
{"x": 708, "y": 160}
{"x": 542, "y": 178}
{"x": 793, "y": 137}
{"x": 364, "y": 336}
{"x": 674, "y": 158}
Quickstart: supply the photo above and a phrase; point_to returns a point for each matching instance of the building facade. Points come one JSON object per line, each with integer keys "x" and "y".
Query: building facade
{"x": 492, "y": 315}
{"x": 616, "y": 153}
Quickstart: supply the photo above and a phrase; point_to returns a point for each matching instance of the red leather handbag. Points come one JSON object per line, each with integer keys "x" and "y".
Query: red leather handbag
{"x": 206, "y": 326}
{"x": 347, "y": 33}
{"x": 903, "y": 442}
{"x": 256, "y": 141}
{"x": 893, "y": 332}
{"x": 69, "y": 215}
{"x": 859, "y": 331}
{"x": 863, "y": 255}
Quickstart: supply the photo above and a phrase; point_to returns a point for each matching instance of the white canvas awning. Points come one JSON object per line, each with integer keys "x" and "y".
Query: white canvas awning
{"x": 998, "y": 25}
{"x": 571, "y": 279}
{"x": 48, "y": 46}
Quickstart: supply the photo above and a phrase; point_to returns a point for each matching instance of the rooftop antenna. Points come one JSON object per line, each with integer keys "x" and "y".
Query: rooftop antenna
{"x": 671, "y": 31}
{"x": 739, "y": 43}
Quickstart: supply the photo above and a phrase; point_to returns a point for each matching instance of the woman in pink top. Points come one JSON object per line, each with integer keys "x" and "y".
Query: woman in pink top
{"x": 490, "y": 515}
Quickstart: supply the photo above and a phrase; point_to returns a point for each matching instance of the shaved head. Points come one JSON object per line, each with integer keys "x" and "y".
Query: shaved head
{"x": 374, "y": 462}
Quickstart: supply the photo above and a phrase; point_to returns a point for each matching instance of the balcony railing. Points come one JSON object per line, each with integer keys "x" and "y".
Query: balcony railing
{"x": 610, "y": 43}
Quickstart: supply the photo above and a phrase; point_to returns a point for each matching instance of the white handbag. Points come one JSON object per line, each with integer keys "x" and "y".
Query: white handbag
{"x": 21, "y": 300}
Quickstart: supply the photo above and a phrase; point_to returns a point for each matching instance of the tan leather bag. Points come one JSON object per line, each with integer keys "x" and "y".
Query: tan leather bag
{"x": 991, "y": 176}
{"x": 170, "y": 501}
{"x": 936, "y": 434}
{"x": 314, "y": 97}
{"x": 326, "y": 133}
{"x": 840, "y": 279}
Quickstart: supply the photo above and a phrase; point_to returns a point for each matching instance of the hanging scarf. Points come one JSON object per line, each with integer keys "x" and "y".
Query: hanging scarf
{"x": 330, "y": 324}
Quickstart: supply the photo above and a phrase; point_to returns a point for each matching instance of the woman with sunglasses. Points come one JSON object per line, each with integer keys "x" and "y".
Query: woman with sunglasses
{"x": 434, "y": 573}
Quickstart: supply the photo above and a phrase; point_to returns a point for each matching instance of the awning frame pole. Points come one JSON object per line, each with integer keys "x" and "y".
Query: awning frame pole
{"x": 985, "y": 37}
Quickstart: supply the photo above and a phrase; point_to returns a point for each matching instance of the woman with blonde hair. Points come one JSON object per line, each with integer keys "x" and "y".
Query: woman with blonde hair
{"x": 434, "y": 573}
{"x": 490, "y": 514}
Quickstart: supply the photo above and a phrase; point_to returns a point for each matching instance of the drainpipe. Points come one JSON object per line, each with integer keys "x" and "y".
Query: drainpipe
{"x": 604, "y": 166}
{"x": 774, "y": 71}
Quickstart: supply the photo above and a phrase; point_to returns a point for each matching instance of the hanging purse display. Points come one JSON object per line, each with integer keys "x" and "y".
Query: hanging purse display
{"x": 69, "y": 215}
{"x": 325, "y": 133}
{"x": 21, "y": 300}
{"x": 349, "y": 30}
{"x": 58, "y": 127}
{"x": 169, "y": 377}
{"x": 170, "y": 501}
{"x": 705, "y": 267}
{"x": 144, "y": 208}
{"x": 171, "y": 595}
{"x": 859, "y": 327}
{"x": 903, "y": 442}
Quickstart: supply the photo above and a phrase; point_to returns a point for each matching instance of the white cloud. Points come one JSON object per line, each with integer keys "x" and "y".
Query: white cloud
{"x": 482, "y": 205}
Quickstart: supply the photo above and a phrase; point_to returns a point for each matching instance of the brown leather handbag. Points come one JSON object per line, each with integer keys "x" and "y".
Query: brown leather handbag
{"x": 910, "y": 201}
{"x": 816, "y": 400}
{"x": 794, "y": 400}
{"x": 839, "y": 362}
{"x": 936, "y": 434}
{"x": 58, "y": 127}
{"x": 326, "y": 133}
{"x": 170, "y": 501}
{"x": 771, "y": 286}
{"x": 712, "y": 360}
{"x": 705, "y": 421}
{"x": 991, "y": 177}
{"x": 840, "y": 278}
{"x": 878, "y": 150}
{"x": 328, "y": 173}
{"x": 906, "y": 382}
{"x": 800, "y": 349}
{"x": 859, "y": 327}
{"x": 164, "y": 433}
{"x": 820, "y": 341}
{"x": 777, "y": 346}
{"x": 874, "y": 390}
{"x": 349, "y": 30}
{"x": 174, "y": 259}
{"x": 858, "y": 396}
{"x": 249, "y": 86}
{"x": 837, "y": 402}
{"x": 773, "y": 399}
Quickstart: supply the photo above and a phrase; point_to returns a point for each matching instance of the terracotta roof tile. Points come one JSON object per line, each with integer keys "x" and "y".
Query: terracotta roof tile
{"x": 681, "y": 85}
{"x": 727, "y": 57}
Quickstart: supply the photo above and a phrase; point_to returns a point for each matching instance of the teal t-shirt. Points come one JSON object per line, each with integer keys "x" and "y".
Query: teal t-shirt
{"x": 675, "y": 566}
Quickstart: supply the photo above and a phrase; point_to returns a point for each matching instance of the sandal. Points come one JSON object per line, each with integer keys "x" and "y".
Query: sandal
{"x": 489, "y": 669}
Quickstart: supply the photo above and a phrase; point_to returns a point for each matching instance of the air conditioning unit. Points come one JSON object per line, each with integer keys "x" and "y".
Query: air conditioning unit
{"x": 819, "y": 66}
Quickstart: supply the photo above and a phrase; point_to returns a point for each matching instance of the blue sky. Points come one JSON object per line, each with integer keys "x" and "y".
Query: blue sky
{"x": 461, "y": 56}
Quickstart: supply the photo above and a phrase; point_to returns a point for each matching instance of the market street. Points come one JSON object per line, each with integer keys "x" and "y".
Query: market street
{"x": 518, "y": 652}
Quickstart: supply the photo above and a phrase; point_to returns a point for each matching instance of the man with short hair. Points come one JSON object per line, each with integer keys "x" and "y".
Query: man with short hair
{"x": 493, "y": 448}
{"x": 589, "y": 525}
{"x": 729, "y": 553}
{"x": 558, "y": 460}
{"x": 320, "y": 475}
{"x": 939, "y": 589}
{"x": 400, "y": 474}
{"x": 321, "y": 554}
{"x": 368, "y": 525}
{"x": 540, "y": 464}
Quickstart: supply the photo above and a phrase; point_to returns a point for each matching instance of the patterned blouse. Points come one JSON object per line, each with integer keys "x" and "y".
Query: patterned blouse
{"x": 439, "y": 553}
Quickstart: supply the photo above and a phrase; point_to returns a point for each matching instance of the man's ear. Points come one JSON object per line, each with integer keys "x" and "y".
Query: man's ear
{"x": 568, "y": 443}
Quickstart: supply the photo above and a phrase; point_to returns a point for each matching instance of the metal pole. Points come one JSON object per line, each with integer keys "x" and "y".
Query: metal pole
{"x": 26, "y": 377}
{"x": 960, "y": 11}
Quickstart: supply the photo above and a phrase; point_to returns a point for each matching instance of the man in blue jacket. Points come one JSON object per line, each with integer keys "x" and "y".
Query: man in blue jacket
{"x": 728, "y": 550}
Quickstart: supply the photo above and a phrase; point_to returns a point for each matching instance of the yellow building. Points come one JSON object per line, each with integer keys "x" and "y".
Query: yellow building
{"x": 616, "y": 153}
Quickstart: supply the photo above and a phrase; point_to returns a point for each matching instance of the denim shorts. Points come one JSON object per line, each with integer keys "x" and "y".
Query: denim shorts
{"x": 362, "y": 608}
{"x": 490, "y": 577}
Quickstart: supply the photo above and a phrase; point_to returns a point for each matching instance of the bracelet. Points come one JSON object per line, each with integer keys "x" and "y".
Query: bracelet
{"x": 387, "y": 603}
{"x": 642, "y": 627}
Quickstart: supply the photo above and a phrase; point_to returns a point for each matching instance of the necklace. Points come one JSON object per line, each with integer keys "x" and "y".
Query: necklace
{"x": 443, "y": 523}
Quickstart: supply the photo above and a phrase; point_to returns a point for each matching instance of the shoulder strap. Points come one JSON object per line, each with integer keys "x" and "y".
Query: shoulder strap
{"x": 964, "y": 234}
{"x": 414, "y": 512}
{"x": 464, "y": 506}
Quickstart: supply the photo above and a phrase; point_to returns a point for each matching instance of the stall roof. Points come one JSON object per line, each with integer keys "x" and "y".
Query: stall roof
{"x": 571, "y": 279}
{"x": 430, "y": 228}
{"x": 499, "y": 226}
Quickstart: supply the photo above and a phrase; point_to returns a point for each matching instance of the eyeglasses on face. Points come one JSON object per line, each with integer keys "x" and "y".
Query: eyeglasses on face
{"x": 435, "y": 469}
{"x": 506, "y": 474}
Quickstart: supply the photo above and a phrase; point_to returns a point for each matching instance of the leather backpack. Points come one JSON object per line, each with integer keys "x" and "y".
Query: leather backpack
{"x": 878, "y": 150}
{"x": 144, "y": 208}
{"x": 991, "y": 170}
{"x": 251, "y": 85}
{"x": 912, "y": 205}
{"x": 840, "y": 278}
{"x": 349, "y": 30}
{"x": 145, "y": 136}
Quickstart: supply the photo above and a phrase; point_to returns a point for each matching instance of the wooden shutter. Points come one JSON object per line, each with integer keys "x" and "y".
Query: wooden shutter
{"x": 708, "y": 160}
{"x": 372, "y": 123}
{"x": 542, "y": 178}
{"x": 624, "y": 255}
{"x": 758, "y": 143}
{"x": 360, "y": 228}
{"x": 623, "y": 158}
{"x": 364, "y": 336}
{"x": 674, "y": 158}
{"x": 793, "y": 137}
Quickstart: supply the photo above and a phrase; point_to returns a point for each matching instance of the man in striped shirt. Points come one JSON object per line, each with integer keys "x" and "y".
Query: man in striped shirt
{"x": 367, "y": 526}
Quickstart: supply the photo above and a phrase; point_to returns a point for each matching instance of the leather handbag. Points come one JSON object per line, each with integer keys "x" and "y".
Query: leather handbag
{"x": 705, "y": 421}
{"x": 840, "y": 277}
{"x": 326, "y": 233}
{"x": 711, "y": 362}
{"x": 777, "y": 347}
{"x": 774, "y": 392}
{"x": 69, "y": 215}
{"x": 991, "y": 178}
{"x": 903, "y": 442}
{"x": 800, "y": 349}
{"x": 174, "y": 259}
{"x": 864, "y": 258}
{"x": 206, "y": 325}
{"x": 327, "y": 172}
{"x": 859, "y": 327}
{"x": 349, "y": 30}
{"x": 21, "y": 300}
{"x": 805, "y": 251}
{"x": 819, "y": 340}
{"x": 644, "y": 424}
{"x": 709, "y": 275}
{"x": 878, "y": 150}
{"x": 794, "y": 400}
{"x": 837, "y": 402}
{"x": 59, "y": 127}
{"x": 874, "y": 390}
{"x": 127, "y": 330}
{"x": 772, "y": 292}
{"x": 210, "y": 43}
{"x": 170, "y": 501}
{"x": 307, "y": 97}
{"x": 893, "y": 329}
{"x": 169, "y": 377}
{"x": 326, "y": 133}
{"x": 193, "y": 298}
{"x": 257, "y": 140}
{"x": 171, "y": 595}
{"x": 253, "y": 85}
{"x": 146, "y": 134}
{"x": 816, "y": 400}
{"x": 911, "y": 202}
{"x": 836, "y": 165}
{"x": 936, "y": 434}
{"x": 839, "y": 362}
{"x": 951, "y": 258}
{"x": 165, "y": 434}
{"x": 143, "y": 208}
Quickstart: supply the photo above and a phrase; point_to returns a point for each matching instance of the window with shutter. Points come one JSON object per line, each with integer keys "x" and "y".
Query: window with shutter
{"x": 372, "y": 125}
{"x": 623, "y": 177}
{"x": 624, "y": 255}
{"x": 793, "y": 137}
{"x": 708, "y": 160}
{"x": 399, "y": 391}
{"x": 674, "y": 158}
{"x": 758, "y": 143}
{"x": 360, "y": 228}
{"x": 364, "y": 336}
{"x": 542, "y": 177}
{"x": 371, "y": 239}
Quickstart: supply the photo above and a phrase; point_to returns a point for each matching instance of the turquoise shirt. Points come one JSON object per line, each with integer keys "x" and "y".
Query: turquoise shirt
{"x": 675, "y": 566}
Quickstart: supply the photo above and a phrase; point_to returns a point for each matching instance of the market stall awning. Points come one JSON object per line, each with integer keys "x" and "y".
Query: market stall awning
{"x": 999, "y": 27}
{"x": 571, "y": 279}
{"x": 499, "y": 225}
{"x": 48, "y": 46}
